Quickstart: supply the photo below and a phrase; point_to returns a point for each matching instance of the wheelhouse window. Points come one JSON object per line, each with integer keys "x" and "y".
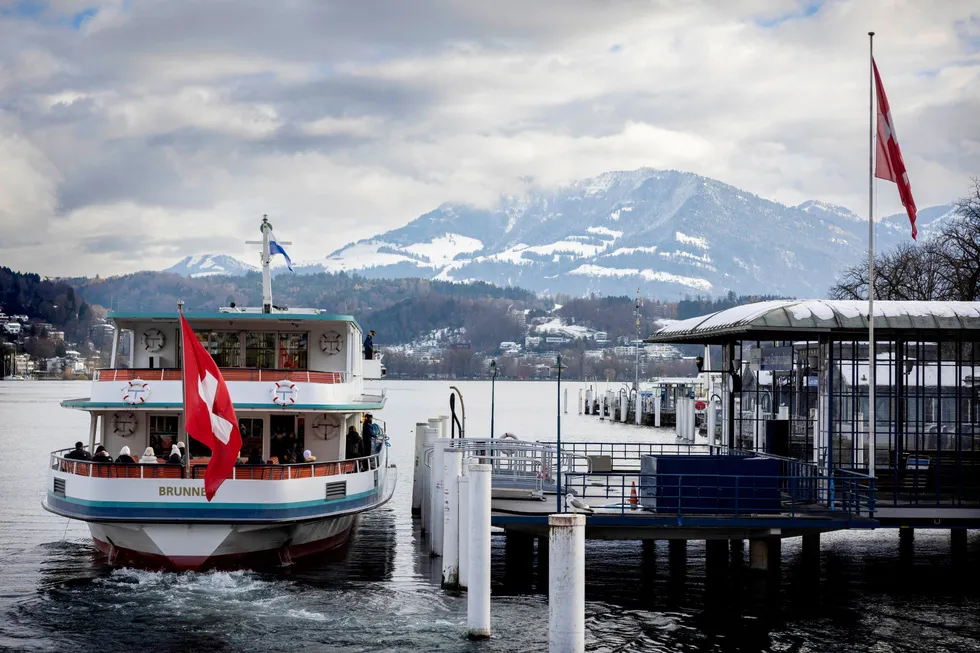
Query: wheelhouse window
{"x": 163, "y": 434}
{"x": 224, "y": 346}
{"x": 293, "y": 351}
{"x": 260, "y": 350}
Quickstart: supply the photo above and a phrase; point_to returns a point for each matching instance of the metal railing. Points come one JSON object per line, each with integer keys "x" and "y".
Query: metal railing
{"x": 625, "y": 456}
{"x": 730, "y": 496}
{"x": 265, "y": 472}
{"x": 229, "y": 374}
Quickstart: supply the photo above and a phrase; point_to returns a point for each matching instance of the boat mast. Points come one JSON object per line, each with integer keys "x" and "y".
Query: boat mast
{"x": 265, "y": 228}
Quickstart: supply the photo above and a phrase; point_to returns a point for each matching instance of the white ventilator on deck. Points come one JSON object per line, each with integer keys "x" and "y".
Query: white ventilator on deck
{"x": 419, "y": 464}
{"x": 452, "y": 468}
{"x": 566, "y": 583}
{"x": 478, "y": 594}
{"x": 464, "y": 526}
{"x": 437, "y": 500}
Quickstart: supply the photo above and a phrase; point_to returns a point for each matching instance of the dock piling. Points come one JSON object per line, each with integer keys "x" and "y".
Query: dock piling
{"x": 566, "y": 583}
{"x": 464, "y": 526}
{"x": 478, "y": 594}
{"x": 431, "y": 435}
{"x": 419, "y": 463}
{"x": 580, "y": 401}
{"x": 452, "y": 468}
{"x": 437, "y": 498}
{"x": 656, "y": 409}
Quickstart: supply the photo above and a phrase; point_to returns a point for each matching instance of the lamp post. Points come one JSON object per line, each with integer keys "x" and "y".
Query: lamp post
{"x": 493, "y": 396}
{"x": 561, "y": 507}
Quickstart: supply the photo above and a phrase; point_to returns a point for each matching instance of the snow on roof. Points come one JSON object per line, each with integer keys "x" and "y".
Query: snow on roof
{"x": 817, "y": 315}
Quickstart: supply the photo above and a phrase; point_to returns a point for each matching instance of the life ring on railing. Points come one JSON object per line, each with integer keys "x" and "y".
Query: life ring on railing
{"x": 136, "y": 392}
{"x": 284, "y": 393}
{"x": 509, "y": 436}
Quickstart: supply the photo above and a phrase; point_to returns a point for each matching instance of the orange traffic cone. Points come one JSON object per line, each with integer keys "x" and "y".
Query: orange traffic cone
{"x": 633, "y": 500}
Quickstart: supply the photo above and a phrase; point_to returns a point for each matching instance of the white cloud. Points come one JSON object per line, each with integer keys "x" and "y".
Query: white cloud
{"x": 120, "y": 117}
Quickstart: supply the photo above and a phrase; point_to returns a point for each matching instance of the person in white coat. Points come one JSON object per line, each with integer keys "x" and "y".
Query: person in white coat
{"x": 148, "y": 456}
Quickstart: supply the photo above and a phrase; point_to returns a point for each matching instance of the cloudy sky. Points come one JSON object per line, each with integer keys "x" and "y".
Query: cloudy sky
{"x": 135, "y": 132}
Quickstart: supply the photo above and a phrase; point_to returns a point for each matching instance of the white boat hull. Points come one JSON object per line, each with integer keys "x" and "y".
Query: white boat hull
{"x": 206, "y": 546}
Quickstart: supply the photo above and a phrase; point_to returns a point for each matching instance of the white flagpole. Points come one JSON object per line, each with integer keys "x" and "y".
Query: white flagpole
{"x": 872, "y": 362}
{"x": 183, "y": 386}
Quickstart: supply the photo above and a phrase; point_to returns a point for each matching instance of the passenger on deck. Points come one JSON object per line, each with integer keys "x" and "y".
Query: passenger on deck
{"x": 101, "y": 455}
{"x": 183, "y": 453}
{"x": 148, "y": 456}
{"x": 78, "y": 453}
{"x": 369, "y": 346}
{"x": 174, "y": 458}
{"x": 255, "y": 457}
{"x": 353, "y": 444}
{"x": 277, "y": 448}
{"x": 369, "y": 435}
{"x": 124, "y": 458}
{"x": 308, "y": 456}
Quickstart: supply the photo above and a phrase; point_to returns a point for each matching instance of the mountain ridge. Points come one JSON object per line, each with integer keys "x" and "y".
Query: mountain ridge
{"x": 667, "y": 232}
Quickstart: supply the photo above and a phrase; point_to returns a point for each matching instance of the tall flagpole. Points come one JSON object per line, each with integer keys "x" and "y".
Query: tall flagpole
{"x": 183, "y": 386}
{"x": 872, "y": 362}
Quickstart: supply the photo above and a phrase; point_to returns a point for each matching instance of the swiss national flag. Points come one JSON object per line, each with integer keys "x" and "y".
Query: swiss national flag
{"x": 889, "y": 164}
{"x": 208, "y": 414}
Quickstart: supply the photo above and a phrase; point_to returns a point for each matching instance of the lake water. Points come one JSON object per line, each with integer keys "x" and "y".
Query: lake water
{"x": 382, "y": 594}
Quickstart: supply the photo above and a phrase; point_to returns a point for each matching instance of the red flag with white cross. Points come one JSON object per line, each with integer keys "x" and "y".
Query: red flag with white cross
{"x": 889, "y": 164}
{"x": 208, "y": 413}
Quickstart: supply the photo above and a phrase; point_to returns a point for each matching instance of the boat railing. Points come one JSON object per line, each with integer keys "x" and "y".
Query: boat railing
{"x": 229, "y": 374}
{"x": 241, "y": 472}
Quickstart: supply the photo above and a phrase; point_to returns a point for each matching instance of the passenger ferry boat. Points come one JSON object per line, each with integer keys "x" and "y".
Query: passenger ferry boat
{"x": 296, "y": 379}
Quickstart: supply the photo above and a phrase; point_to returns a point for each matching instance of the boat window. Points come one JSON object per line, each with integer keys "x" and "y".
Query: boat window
{"x": 293, "y": 352}
{"x": 251, "y": 430}
{"x": 260, "y": 350}
{"x": 226, "y": 348}
{"x": 163, "y": 434}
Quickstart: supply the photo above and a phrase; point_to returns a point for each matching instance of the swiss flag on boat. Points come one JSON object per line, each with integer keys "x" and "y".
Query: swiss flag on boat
{"x": 208, "y": 414}
{"x": 889, "y": 164}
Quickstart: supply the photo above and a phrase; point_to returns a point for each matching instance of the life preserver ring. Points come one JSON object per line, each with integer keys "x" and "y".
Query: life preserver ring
{"x": 136, "y": 392}
{"x": 509, "y": 436}
{"x": 284, "y": 393}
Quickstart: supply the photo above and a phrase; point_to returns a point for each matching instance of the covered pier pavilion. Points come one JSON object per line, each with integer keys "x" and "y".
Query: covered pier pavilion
{"x": 795, "y": 383}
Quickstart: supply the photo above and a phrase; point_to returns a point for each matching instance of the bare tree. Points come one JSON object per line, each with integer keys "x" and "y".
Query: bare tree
{"x": 945, "y": 267}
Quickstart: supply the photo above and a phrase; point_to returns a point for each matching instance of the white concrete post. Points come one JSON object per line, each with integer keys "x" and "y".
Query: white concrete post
{"x": 623, "y": 405}
{"x": 419, "y": 464}
{"x": 692, "y": 420}
{"x": 464, "y": 529}
{"x": 656, "y": 406}
{"x": 711, "y": 421}
{"x": 679, "y": 417}
{"x": 437, "y": 500}
{"x": 452, "y": 468}
{"x": 445, "y": 427}
{"x": 566, "y": 583}
{"x": 755, "y": 427}
{"x": 431, "y": 435}
{"x": 478, "y": 594}
{"x": 861, "y": 438}
{"x": 565, "y": 405}
{"x": 580, "y": 401}
{"x": 638, "y": 409}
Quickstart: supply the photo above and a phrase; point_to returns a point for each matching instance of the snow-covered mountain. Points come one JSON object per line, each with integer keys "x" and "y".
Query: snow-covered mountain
{"x": 669, "y": 233}
{"x": 207, "y": 265}
{"x": 666, "y": 232}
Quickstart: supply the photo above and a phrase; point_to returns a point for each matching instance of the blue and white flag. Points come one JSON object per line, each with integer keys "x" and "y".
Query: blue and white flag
{"x": 276, "y": 248}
